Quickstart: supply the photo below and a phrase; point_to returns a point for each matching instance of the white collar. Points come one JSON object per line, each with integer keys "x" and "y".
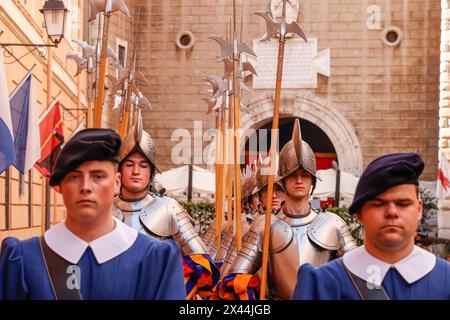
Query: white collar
{"x": 67, "y": 245}
{"x": 412, "y": 268}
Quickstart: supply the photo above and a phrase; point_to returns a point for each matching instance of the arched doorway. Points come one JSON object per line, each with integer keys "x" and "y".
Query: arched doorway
{"x": 319, "y": 113}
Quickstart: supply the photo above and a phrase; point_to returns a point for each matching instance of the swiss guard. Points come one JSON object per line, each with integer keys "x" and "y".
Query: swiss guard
{"x": 159, "y": 216}
{"x": 299, "y": 234}
{"x": 389, "y": 266}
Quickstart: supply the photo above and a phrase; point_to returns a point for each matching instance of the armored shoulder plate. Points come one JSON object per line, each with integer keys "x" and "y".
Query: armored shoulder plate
{"x": 330, "y": 232}
{"x": 280, "y": 233}
{"x": 160, "y": 216}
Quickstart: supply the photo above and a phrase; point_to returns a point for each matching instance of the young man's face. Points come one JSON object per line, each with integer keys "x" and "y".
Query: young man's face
{"x": 136, "y": 172}
{"x": 298, "y": 184}
{"x": 276, "y": 199}
{"x": 390, "y": 220}
{"x": 88, "y": 191}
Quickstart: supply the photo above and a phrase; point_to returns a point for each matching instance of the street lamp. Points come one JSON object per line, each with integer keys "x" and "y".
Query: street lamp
{"x": 54, "y": 20}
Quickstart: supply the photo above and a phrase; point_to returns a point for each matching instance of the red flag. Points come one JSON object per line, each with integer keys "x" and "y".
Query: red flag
{"x": 52, "y": 138}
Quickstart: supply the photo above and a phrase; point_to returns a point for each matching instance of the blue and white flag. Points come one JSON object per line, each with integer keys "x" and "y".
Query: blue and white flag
{"x": 25, "y": 120}
{"x": 6, "y": 128}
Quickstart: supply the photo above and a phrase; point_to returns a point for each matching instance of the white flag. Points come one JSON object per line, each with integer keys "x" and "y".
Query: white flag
{"x": 443, "y": 183}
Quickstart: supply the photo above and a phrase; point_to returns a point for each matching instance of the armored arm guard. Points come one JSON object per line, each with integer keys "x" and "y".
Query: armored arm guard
{"x": 187, "y": 237}
{"x": 239, "y": 282}
{"x": 229, "y": 258}
{"x": 210, "y": 240}
{"x": 227, "y": 238}
{"x": 249, "y": 258}
{"x": 166, "y": 218}
{"x": 200, "y": 272}
{"x": 348, "y": 243}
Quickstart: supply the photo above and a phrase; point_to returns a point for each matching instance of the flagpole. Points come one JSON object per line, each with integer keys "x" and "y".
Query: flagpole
{"x": 236, "y": 113}
{"x": 124, "y": 123}
{"x": 102, "y": 72}
{"x": 79, "y": 80}
{"x": 89, "y": 91}
{"x": 49, "y": 100}
{"x": 30, "y": 198}
{"x": 7, "y": 198}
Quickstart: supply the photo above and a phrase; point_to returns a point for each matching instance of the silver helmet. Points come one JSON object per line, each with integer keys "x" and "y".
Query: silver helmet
{"x": 142, "y": 142}
{"x": 297, "y": 154}
{"x": 262, "y": 174}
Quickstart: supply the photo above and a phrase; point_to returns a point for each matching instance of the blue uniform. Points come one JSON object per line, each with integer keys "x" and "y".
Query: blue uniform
{"x": 332, "y": 282}
{"x": 147, "y": 269}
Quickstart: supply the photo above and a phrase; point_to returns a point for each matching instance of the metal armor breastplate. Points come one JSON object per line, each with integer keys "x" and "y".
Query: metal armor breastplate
{"x": 161, "y": 218}
{"x": 291, "y": 246}
{"x": 299, "y": 249}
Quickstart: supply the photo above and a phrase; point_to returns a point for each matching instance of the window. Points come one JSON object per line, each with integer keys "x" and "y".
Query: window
{"x": 122, "y": 51}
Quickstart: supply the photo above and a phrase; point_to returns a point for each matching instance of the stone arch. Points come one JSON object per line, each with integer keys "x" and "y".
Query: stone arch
{"x": 322, "y": 114}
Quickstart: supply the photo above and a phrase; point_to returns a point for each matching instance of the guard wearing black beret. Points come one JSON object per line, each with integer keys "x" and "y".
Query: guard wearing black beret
{"x": 90, "y": 254}
{"x": 388, "y": 265}
{"x": 86, "y": 145}
{"x": 384, "y": 173}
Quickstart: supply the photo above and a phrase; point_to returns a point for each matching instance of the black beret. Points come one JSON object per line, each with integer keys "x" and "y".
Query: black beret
{"x": 384, "y": 173}
{"x": 86, "y": 145}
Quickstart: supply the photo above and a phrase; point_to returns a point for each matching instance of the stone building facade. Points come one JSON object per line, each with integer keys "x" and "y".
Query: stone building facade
{"x": 379, "y": 98}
